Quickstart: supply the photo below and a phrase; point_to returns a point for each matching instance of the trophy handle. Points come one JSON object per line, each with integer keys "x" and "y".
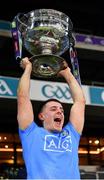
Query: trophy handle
{"x": 73, "y": 57}
{"x": 74, "y": 63}
{"x": 17, "y": 40}
{"x": 17, "y": 34}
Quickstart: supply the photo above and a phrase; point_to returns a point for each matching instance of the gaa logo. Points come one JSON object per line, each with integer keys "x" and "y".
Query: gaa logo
{"x": 102, "y": 95}
{"x": 51, "y": 91}
{"x": 4, "y": 88}
{"x": 97, "y": 95}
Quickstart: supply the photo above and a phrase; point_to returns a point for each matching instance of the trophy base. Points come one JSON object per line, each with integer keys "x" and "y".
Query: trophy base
{"x": 47, "y": 65}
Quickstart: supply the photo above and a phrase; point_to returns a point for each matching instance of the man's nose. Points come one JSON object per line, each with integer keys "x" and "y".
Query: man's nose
{"x": 59, "y": 111}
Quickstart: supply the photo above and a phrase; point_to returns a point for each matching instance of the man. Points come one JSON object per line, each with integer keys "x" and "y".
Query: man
{"x": 51, "y": 151}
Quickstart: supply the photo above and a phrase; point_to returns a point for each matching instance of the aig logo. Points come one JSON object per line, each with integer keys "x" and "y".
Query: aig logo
{"x": 56, "y": 144}
{"x": 4, "y": 89}
{"x": 50, "y": 91}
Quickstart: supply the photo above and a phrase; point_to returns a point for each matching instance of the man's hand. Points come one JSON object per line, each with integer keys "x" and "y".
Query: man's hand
{"x": 26, "y": 63}
{"x": 64, "y": 72}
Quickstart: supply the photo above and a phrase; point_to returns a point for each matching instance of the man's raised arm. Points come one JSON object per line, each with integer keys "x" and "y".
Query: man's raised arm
{"x": 78, "y": 108}
{"x": 24, "y": 105}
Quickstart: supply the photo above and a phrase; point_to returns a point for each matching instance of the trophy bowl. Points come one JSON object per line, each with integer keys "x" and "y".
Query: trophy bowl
{"x": 44, "y": 33}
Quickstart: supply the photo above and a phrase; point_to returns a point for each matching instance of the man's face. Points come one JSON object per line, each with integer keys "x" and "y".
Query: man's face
{"x": 52, "y": 116}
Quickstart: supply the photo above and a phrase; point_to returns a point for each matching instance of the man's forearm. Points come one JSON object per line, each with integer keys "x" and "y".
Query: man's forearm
{"x": 24, "y": 83}
{"x": 76, "y": 90}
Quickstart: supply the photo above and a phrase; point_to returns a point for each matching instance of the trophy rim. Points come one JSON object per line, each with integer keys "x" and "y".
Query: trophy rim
{"x": 44, "y": 55}
{"x": 42, "y": 10}
{"x": 48, "y": 9}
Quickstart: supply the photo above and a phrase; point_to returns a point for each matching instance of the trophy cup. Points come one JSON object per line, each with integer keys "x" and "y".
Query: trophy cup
{"x": 46, "y": 34}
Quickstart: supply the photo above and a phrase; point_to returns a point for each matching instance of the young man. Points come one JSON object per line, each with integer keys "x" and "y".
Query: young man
{"x": 51, "y": 151}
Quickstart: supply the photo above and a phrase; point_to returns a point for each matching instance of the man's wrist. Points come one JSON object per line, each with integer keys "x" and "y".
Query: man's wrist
{"x": 28, "y": 69}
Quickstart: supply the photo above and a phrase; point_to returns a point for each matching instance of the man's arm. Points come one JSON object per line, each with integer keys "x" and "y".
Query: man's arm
{"x": 77, "y": 111}
{"x": 24, "y": 106}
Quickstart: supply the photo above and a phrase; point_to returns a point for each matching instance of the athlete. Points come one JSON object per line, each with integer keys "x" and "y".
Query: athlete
{"x": 51, "y": 151}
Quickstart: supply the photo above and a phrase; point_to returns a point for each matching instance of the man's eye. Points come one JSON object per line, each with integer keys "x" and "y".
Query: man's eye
{"x": 53, "y": 109}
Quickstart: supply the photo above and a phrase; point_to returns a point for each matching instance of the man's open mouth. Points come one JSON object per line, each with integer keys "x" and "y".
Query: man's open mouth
{"x": 57, "y": 120}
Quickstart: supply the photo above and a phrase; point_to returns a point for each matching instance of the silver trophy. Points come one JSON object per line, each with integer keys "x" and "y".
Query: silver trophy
{"x": 46, "y": 34}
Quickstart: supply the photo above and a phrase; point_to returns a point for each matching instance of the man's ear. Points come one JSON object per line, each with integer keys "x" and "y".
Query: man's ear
{"x": 40, "y": 116}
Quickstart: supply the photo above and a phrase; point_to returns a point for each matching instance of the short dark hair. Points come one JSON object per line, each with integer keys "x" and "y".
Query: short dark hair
{"x": 45, "y": 102}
